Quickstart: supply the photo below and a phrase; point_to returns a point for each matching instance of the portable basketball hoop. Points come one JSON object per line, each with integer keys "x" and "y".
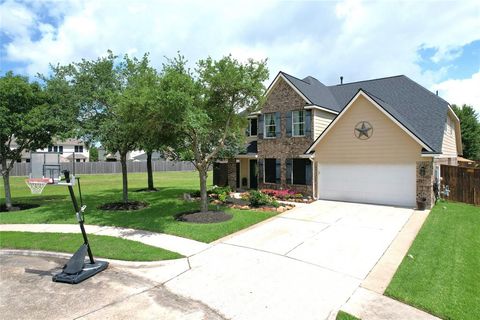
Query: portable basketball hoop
{"x": 44, "y": 169}
{"x": 37, "y": 185}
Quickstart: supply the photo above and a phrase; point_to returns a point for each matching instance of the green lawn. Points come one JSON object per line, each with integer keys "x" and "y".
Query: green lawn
{"x": 56, "y": 206}
{"x": 443, "y": 278}
{"x": 102, "y": 246}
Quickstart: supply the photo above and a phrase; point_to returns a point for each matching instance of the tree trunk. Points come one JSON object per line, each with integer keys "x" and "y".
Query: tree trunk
{"x": 203, "y": 190}
{"x": 149, "y": 171}
{"x": 123, "y": 161}
{"x": 6, "y": 184}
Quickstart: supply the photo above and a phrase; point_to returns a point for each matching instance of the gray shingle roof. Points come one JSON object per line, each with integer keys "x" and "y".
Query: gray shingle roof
{"x": 419, "y": 110}
{"x": 315, "y": 91}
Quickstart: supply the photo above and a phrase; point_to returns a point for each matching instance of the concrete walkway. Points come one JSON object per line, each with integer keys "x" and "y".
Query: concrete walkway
{"x": 180, "y": 245}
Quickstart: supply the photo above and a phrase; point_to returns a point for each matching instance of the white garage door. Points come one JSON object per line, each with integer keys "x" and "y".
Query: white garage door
{"x": 382, "y": 184}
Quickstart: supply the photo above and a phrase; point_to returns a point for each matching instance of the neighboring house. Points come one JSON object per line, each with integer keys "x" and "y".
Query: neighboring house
{"x": 137, "y": 155}
{"x": 375, "y": 141}
{"x": 70, "y": 150}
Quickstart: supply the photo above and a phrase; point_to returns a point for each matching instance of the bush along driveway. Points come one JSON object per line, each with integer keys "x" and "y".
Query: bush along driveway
{"x": 440, "y": 274}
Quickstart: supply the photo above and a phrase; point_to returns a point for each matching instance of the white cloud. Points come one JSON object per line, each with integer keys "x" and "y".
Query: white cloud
{"x": 461, "y": 91}
{"x": 358, "y": 40}
{"x": 16, "y": 20}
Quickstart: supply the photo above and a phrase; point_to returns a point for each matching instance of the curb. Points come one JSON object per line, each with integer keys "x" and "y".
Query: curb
{"x": 62, "y": 255}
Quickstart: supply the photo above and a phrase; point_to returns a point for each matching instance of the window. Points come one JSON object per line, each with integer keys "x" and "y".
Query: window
{"x": 50, "y": 148}
{"x": 60, "y": 149}
{"x": 271, "y": 171}
{"x": 299, "y": 171}
{"x": 298, "y": 123}
{"x": 270, "y": 125}
{"x": 27, "y": 160}
{"x": 77, "y": 160}
{"x": 55, "y": 149}
{"x": 252, "y": 127}
{"x": 78, "y": 148}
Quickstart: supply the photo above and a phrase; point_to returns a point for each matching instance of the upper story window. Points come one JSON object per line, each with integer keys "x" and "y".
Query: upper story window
{"x": 270, "y": 125}
{"x": 78, "y": 148}
{"x": 252, "y": 127}
{"x": 298, "y": 123}
{"x": 449, "y": 126}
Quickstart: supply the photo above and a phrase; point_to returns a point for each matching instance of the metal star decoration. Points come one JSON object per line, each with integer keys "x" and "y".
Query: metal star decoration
{"x": 363, "y": 130}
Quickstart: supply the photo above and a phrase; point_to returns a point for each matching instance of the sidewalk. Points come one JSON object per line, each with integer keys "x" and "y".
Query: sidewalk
{"x": 180, "y": 245}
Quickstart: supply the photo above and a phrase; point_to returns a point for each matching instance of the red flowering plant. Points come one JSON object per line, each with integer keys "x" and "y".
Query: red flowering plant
{"x": 280, "y": 194}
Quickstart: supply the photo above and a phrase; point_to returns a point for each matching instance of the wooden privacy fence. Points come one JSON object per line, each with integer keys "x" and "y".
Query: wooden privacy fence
{"x": 464, "y": 183}
{"x": 23, "y": 169}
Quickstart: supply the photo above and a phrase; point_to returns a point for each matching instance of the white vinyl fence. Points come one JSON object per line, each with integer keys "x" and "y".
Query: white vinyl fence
{"x": 23, "y": 169}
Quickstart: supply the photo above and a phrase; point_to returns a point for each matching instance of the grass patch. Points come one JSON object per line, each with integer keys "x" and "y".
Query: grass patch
{"x": 102, "y": 246}
{"x": 342, "y": 315}
{"x": 56, "y": 207}
{"x": 444, "y": 275}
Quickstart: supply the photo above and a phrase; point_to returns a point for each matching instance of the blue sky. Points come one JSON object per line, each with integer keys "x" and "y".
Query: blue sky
{"x": 436, "y": 43}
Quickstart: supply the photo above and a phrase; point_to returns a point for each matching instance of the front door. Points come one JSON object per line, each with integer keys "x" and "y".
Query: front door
{"x": 253, "y": 174}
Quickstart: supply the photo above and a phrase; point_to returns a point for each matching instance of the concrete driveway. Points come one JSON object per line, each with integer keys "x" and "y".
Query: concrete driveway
{"x": 302, "y": 264}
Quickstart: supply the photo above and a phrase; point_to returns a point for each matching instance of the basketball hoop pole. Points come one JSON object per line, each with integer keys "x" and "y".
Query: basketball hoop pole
{"x": 79, "y": 214}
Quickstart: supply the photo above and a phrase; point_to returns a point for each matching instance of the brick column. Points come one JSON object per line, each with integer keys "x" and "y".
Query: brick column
{"x": 232, "y": 173}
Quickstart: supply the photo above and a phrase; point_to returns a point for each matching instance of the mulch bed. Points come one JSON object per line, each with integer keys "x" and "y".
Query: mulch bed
{"x": 203, "y": 217}
{"x": 121, "y": 206}
{"x": 147, "y": 190}
{"x": 19, "y": 207}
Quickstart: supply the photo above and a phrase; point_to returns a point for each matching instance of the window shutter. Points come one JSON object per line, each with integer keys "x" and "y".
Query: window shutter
{"x": 308, "y": 172}
{"x": 288, "y": 164}
{"x": 260, "y": 170}
{"x": 277, "y": 125}
{"x": 260, "y": 127}
{"x": 308, "y": 123}
{"x": 277, "y": 170}
{"x": 289, "y": 124}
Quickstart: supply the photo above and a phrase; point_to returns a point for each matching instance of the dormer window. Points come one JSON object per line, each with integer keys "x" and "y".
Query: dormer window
{"x": 298, "y": 123}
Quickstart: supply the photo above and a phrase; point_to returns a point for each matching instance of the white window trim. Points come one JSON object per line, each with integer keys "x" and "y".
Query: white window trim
{"x": 265, "y": 126}
{"x": 294, "y": 123}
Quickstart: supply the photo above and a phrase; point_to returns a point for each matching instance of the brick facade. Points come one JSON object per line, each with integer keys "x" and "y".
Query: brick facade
{"x": 283, "y": 99}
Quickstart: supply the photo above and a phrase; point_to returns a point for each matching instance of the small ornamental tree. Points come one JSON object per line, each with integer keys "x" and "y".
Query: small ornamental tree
{"x": 215, "y": 101}
{"x": 30, "y": 116}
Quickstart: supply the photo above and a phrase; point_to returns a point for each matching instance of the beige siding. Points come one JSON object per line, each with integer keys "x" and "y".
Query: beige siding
{"x": 389, "y": 144}
{"x": 449, "y": 145}
{"x": 321, "y": 119}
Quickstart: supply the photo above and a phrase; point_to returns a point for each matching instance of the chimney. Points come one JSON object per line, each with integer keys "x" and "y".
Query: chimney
{"x": 436, "y": 92}
{"x": 341, "y": 79}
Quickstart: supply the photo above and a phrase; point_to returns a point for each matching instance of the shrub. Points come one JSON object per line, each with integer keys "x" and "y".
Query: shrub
{"x": 219, "y": 190}
{"x": 258, "y": 199}
{"x": 280, "y": 194}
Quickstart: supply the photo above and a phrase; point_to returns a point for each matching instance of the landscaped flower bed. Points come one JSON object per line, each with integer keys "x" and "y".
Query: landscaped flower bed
{"x": 253, "y": 199}
{"x": 287, "y": 195}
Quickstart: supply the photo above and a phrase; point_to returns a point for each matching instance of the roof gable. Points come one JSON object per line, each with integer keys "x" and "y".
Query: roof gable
{"x": 380, "y": 107}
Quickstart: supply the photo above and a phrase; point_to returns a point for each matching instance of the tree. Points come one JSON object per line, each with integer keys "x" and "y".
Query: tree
{"x": 470, "y": 127}
{"x": 214, "y": 101}
{"x": 108, "y": 113}
{"x": 30, "y": 116}
{"x": 93, "y": 154}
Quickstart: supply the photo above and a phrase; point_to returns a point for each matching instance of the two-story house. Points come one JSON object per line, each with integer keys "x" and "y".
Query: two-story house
{"x": 375, "y": 141}
{"x": 70, "y": 150}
